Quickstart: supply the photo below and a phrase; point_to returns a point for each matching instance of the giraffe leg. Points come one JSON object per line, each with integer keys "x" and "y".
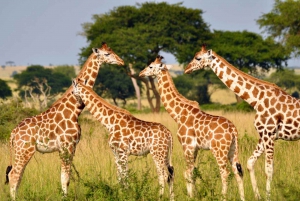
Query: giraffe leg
{"x": 269, "y": 151}
{"x": 22, "y": 157}
{"x": 250, "y": 166}
{"x": 236, "y": 168}
{"x": 162, "y": 174}
{"x": 66, "y": 163}
{"x": 121, "y": 160}
{"x": 190, "y": 157}
{"x": 221, "y": 158}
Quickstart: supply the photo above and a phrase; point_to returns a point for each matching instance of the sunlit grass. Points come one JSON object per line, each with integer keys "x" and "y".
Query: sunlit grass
{"x": 94, "y": 162}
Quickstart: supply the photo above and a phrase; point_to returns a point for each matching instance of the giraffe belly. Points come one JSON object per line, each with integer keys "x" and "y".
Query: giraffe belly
{"x": 46, "y": 147}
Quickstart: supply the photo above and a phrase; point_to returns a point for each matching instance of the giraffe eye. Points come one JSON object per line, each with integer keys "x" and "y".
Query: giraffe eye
{"x": 160, "y": 65}
{"x": 198, "y": 59}
{"x": 107, "y": 54}
{"x": 150, "y": 67}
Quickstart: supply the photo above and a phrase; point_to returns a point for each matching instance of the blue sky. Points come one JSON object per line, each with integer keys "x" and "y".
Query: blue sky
{"x": 46, "y": 31}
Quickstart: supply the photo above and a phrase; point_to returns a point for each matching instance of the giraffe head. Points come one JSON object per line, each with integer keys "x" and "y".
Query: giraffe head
{"x": 154, "y": 68}
{"x": 77, "y": 89}
{"x": 107, "y": 55}
{"x": 202, "y": 59}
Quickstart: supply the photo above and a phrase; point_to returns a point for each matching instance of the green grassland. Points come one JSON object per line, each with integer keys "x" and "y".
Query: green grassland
{"x": 94, "y": 172}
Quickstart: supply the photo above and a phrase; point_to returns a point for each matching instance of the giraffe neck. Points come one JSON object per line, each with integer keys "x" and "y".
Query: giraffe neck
{"x": 250, "y": 89}
{"x": 173, "y": 101}
{"x": 100, "y": 109}
{"x": 89, "y": 72}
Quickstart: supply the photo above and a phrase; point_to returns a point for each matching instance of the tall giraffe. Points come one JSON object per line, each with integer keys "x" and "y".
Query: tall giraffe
{"x": 57, "y": 128}
{"x": 277, "y": 113}
{"x": 130, "y": 135}
{"x": 198, "y": 130}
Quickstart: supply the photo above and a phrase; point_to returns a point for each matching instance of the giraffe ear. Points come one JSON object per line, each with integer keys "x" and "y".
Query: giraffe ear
{"x": 209, "y": 52}
{"x": 95, "y": 50}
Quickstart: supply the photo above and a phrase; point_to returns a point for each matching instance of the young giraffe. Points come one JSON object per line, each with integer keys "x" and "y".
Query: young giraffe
{"x": 57, "y": 128}
{"x": 198, "y": 130}
{"x": 130, "y": 135}
{"x": 277, "y": 113}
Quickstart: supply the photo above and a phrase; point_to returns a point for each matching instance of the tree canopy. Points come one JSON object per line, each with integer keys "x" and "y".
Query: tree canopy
{"x": 114, "y": 83}
{"x": 283, "y": 23}
{"x": 248, "y": 50}
{"x": 40, "y": 83}
{"x": 67, "y": 70}
{"x": 5, "y": 90}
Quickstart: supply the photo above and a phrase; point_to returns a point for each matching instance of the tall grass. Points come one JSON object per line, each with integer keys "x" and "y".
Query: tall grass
{"x": 94, "y": 172}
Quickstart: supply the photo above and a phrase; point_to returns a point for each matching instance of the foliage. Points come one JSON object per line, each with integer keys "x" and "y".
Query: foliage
{"x": 11, "y": 113}
{"x": 138, "y": 33}
{"x": 5, "y": 90}
{"x": 114, "y": 83}
{"x": 56, "y": 80}
{"x": 195, "y": 86}
{"x": 66, "y": 70}
{"x": 248, "y": 50}
{"x": 283, "y": 23}
{"x": 286, "y": 79}
{"x": 40, "y": 83}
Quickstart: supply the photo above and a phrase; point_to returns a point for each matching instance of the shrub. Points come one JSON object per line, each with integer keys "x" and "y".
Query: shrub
{"x": 11, "y": 113}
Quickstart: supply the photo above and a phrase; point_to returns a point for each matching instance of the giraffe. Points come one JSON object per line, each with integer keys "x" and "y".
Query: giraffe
{"x": 56, "y": 129}
{"x": 277, "y": 113}
{"x": 130, "y": 136}
{"x": 198, "y": 130}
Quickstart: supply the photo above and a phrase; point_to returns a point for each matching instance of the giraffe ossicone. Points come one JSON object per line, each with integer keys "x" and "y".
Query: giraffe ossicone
{"x": 57, "y": 128}
{"x": 198, "y": 130}
{"x": 130, "y": 136}
{"x": 277, "y": 113}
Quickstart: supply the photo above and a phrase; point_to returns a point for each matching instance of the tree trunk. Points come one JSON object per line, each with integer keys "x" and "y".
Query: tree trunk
{"x": 156, "y": 94}
{"x": 136, "y": 88}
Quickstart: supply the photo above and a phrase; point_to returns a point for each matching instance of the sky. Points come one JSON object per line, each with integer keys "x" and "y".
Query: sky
{"x": 46, "y": 32}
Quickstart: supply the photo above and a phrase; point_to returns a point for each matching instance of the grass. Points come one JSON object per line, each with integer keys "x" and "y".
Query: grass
{"x": 97, "y": 178}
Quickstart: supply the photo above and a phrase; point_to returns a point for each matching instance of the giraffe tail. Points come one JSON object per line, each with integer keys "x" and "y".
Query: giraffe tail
{"x": 236, "y": 152}
{"x": 11, "y": 145}
{"x": 170, "y": 166}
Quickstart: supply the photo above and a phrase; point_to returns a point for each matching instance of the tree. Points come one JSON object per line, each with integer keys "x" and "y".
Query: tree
{"x": 5, "y": 90}
{"x": 114, "y": 83}
{"x": 195, "y": 85}
{"x": 40, "y": 84}
{"x": 286, "y": 79}
{"x": 283, "y": 24}
{"x": 247, "y": 50}
{"x": 139, "y": 33}
{"x": 67, "y": 70}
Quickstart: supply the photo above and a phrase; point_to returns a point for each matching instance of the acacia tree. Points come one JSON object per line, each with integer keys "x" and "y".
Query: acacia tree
{"x": 40, "y": 84}
{"x": 283, "y": 24}
{"x": 5, "y": 90}
{"x": 139, "y": 33}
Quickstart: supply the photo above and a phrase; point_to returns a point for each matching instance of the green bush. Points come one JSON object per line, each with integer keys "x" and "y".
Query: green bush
{"x": 11, "y": 114}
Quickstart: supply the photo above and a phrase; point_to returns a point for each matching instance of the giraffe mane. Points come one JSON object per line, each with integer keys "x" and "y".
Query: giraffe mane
{"x": 182, "y": 98}
{"x": 247, "y": 75}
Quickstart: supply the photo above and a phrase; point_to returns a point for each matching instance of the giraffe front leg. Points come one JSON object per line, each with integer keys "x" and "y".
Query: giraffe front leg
{"x": 269, "y": 151}
{"x": 121, "y": 160}
{"x": 66, "y": 162}
{"x": 250, "y": 166}
{"x": 190, "y": 157}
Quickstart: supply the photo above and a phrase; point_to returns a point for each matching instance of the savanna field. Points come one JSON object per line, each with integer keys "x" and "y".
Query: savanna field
{"x": 94, "y": 172}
